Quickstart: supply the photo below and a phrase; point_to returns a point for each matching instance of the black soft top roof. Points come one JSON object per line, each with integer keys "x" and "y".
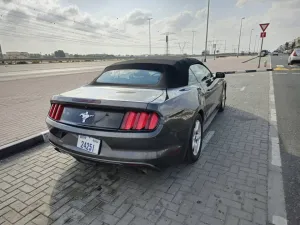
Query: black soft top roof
{"x": 176, "y": 69}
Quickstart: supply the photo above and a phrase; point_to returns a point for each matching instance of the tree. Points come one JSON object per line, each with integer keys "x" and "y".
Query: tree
{"x": 293, "y": 45}
{"x": 287, "y": 46}
{"x": 59, "y": 54}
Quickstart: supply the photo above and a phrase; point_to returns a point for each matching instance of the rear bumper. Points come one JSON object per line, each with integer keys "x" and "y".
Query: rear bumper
{"x": 160, "y": 147}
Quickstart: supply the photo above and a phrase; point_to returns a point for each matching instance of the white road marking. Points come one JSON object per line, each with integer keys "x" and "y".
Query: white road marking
{"x": 207, "y": 138}
{"x": 295, "y": 73}
{"x": 282, "y": 66}
{"x": 276, "y": 200}
{"x": 243, "y": 88}
{"x": 279, "y": 220}
{"x": 280, "y": 73}
{"x": 276, "y": 160}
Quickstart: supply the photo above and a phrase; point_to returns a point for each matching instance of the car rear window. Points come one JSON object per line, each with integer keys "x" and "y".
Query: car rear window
{"x": 297, "y": 50}
{"x": 130, "y": 77}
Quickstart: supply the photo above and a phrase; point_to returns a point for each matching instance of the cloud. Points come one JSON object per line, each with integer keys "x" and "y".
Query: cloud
{"x": 201, "y": 14}
{"x": 16, "y": 16}
{"x": 7, "y": 1}
{"x": 137, "y": 17}
{"x": 241, "y": 3}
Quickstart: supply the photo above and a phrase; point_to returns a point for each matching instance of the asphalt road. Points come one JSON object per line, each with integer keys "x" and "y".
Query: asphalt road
{"x": 287, "y": 97}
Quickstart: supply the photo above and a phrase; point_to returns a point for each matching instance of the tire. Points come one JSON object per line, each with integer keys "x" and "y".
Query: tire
{"x": 195, "y": 146}
{"x": 223, "y": 100}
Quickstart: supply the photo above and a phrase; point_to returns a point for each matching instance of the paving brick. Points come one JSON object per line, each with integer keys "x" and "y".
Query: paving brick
{"x": 12, "y": 216}
{"x": 211, "y": 220}
{"x": 193, "y": 219}
{"x": 30, "y": 208}
{"x": 27, "y": 188}
{"x": 240, "y": 214}
{"x": 7, "y": 202}
{"x": 221, "y": 212}
{"x": 126, "y": 219}
{"x": 41, "y": 220}
{"x": 107, "y": 218}
{"x": 18, "y": 206}
{"x": 4, "y": 185}
{"x": 4, "y": 210}
{"x": 73, "y": 215}
{"x": 137, "y": 211}
{"x": 169, "y": 205}
{"x": 59, "y": 212}
{"x": 163, "y": 221}
{"x": 174, "y": 216}
{"x": 185, "y": 207}
{"x": 260, "y": 216}
{"x": 122, "y": 210}
{"x": 139, "y": 221}
{"x": 231, "y": 220}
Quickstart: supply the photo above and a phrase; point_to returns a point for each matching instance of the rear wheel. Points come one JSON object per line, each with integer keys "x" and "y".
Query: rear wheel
{"x": 195, "y": 140}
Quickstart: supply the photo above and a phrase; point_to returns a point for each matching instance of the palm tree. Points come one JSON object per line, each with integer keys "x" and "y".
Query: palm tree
{"x": 287, "y": 46}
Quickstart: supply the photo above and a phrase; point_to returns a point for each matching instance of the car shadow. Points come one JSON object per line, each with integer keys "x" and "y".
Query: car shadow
{"x": 232, "y": 165}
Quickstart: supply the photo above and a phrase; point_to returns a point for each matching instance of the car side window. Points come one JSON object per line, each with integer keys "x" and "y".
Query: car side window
{"x": 201, "y": 72}
{"x": 192, "y": 78}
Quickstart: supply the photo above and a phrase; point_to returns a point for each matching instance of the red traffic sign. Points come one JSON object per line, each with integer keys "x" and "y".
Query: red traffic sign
{"x": 264, "y": 26}
{"x": 263, "y": 34}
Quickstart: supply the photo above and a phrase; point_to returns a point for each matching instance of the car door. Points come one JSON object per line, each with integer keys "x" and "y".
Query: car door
{"x": 194, "y": 82}
{"x": 200, "y": 75}
{"x": 211, "y": 86}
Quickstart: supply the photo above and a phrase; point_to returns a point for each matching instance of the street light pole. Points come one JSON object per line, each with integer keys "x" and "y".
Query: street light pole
{"x": 255, "y": 43}
{"x": 208, "y": 3}
{"x": 240, "y": 37}
{"x": 250, "y": 40}
{"x": 149, "y": 36}
{"x": 193, "y": 42}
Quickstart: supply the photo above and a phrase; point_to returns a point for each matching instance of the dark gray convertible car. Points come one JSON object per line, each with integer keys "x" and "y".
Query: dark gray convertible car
{"x": 149, "y": 112}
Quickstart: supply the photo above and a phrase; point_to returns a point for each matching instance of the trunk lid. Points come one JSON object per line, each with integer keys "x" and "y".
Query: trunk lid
{"x": 103, "y": 107}
{"x": 115, "y": 94}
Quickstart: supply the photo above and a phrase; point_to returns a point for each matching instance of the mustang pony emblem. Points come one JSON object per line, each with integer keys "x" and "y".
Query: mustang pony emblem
{"x": 85, "y": 116}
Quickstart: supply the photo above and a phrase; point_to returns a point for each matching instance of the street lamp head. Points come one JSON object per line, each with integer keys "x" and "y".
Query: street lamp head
{"x": 243, "y": 18}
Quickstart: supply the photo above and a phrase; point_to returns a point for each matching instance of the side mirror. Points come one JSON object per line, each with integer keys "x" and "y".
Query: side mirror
{"x": 220, "y": 75}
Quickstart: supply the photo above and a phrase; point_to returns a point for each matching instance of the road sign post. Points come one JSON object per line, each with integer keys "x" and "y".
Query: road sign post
{"x": 263, "y": 34}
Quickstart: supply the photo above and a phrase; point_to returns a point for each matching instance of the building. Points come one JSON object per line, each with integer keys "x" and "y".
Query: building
{"x": 1, "y": 56}
{"x": 17, "y": 55}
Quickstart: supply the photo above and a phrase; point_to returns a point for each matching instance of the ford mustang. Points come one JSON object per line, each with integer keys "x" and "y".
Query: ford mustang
{"x": 148, "y": 112}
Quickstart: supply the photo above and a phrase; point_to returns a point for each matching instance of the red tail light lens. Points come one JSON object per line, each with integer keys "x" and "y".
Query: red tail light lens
{"x": 56, "y": 111}
{"x": 140, "y": 121}
{"x": 294, "y": 53}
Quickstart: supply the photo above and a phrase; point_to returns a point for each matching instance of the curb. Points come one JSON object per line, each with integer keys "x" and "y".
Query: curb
{"x": 23, "y": 144}
{"x": 247, "y": 71}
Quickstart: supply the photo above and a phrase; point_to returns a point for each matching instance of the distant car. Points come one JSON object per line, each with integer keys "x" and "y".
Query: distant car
{"x": 275, "y": 53}
{"x": 149, "y": 112}
{"x": 294, "y": 57}
{"x": 264, "y": 53}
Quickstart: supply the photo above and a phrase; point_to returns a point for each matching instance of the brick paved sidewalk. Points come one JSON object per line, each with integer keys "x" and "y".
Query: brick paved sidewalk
{"x": 25, "y": 103}
{"x": 228, "y": 185}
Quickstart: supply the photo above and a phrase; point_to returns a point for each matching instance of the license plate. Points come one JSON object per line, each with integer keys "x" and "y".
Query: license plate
{"x": 88, "y": 144}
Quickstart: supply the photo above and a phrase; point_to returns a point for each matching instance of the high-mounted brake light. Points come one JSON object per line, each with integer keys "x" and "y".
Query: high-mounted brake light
{"x": 56, "y": 111}
{"x": 139, "y": 121}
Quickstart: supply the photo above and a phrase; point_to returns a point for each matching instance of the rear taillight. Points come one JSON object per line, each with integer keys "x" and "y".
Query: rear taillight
{"x": 56, "y": 111}
{"x": 140, "y": 121}
{"x": 294, "y": 53}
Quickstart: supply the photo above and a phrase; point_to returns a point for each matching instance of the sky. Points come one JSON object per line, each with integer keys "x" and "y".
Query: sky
{"x": 122, "y": 26}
